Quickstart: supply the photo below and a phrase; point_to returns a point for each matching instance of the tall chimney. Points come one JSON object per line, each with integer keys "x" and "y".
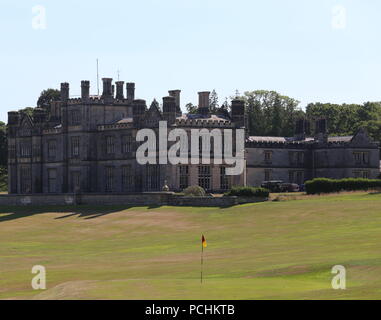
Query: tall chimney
{"x": 238, "y": 113}
{"x": 64, "y": 91}
{"x": 176, "y": 95}
{"x": 203, "y": 102}
{"x": 131, "y": 91}
{"x": 119, "y": 90}
{"x": 85, "y": 90}
{"x": 107, "y": 88}
{"x": 138, "y": 111}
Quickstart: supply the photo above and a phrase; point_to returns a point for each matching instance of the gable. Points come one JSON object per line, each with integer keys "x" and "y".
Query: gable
{"x": 26, "y": 126}
{"x": 362, "y": 139}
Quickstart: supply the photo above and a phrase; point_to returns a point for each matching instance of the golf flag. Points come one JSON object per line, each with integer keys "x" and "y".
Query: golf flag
{"x": 204, "y": 244}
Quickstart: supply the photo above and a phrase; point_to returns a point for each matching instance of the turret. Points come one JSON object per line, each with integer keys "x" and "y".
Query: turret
{"x": 85, "y": 90}
{"x": 64, "y": 92}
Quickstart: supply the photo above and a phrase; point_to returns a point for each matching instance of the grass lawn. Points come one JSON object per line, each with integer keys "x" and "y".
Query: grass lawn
{"x": 271, "y": 250}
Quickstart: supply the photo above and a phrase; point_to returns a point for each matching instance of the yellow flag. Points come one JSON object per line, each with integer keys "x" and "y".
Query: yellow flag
{"x": 204, "y": 244}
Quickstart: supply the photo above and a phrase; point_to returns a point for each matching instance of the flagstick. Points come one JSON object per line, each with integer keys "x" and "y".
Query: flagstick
{"x": 202, "y": 259}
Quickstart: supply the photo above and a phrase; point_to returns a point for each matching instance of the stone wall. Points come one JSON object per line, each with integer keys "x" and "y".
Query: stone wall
{"x": 142, "y": 199}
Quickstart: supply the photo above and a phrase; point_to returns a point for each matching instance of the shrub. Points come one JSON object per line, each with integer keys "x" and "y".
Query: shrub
{"x": 3, "y": 179}
{"x": 248, "y": 192}
{"x": 325, "y": 185}
{"x": 194, "y": 191}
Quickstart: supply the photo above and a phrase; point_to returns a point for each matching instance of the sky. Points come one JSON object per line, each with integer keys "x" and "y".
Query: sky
{"x": 315, "y": 50}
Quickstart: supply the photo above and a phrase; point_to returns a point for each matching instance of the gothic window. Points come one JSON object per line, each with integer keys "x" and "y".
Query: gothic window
{"x": 52, "y": 180}
{"x": 26, "y": 180}
{"x": 224, "y": 179}
{"x": 204, "y": 177}
{"x": 51, "y": 148}
{"x": 361, "y": 157}
{"x": 268, "y": 175}
{"x": 127, "y": 144}
{"x": 152, "y": 177}
{"x": 25, "y": 149}
{"x": 109, "y": 179}
{"x": 268, "y": 157}
{"x": 110, "y": 145}
{"x": 296, "y": 177}
{"x": 127, "y": 178}
{"x": 75, "y": 146}
{"x": 75, "y": 117}
{"x": 184, "y": 177}
{"x": 357, "y": 156}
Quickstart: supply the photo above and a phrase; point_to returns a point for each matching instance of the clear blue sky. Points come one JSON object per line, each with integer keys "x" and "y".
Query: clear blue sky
{"x": 300, "y": 48}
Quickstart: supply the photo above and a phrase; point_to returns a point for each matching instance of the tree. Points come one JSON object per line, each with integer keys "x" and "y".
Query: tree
{"x": 191, "y": 109}
{"x": 47, "y": 97}
{"x": 213, "y": 102}
{"x": 276, "y": 119}
{"x": 270, "y": 113}
{"x": 27, "y": 110}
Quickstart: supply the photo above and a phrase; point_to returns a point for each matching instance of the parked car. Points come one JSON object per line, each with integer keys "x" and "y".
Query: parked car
{"x": 277, "y": 186}
{"x": 290, "y": 187}
{"x": 273, "y": 186}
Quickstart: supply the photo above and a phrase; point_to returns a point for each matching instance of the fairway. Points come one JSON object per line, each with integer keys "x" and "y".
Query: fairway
{"x": 270, "y": 250}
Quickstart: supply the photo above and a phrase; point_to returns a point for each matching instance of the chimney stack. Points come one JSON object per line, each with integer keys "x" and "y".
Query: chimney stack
{"x": 119, "y": 90}
{"x": 131, "y": 91}
{"x": 238, "y": 113}
{"x": 107, "y": 88}
{"x": 64, "y": 91}
{"x": 85, "y": 90}
{"x": 203, "y": 102}
{"x": 176, "y": 95}
{"x": 169, "y": 109}
{"x": 138, "y": 111}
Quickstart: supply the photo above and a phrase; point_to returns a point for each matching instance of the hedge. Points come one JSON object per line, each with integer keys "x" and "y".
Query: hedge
{"x": 248, "y": 192}
{"x": 325, "y": 185}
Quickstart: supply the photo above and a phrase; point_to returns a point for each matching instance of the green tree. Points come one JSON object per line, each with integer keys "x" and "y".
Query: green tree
{"x": 191, "y": 109}
{"x": 270, "y": 113}
{"x": 213, "y": 102}
{"x": 47, "y": 97}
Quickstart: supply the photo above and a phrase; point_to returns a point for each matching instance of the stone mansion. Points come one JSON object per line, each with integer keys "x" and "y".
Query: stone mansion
{"x": 88, "y": 145}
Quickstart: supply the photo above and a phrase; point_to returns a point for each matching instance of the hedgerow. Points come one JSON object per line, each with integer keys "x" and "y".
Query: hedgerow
{"x": 248, "y": 192}
{"x": 325, "y": 185}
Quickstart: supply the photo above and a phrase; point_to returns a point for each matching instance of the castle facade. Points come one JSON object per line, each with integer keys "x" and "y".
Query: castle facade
{"x": 88, "y": 145}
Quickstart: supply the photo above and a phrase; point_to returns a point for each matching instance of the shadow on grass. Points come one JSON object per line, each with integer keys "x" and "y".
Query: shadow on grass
{"x": 85, "y": 212}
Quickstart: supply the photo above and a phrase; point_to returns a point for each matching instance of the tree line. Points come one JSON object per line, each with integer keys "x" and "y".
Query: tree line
{"x": 271, "y": 114}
